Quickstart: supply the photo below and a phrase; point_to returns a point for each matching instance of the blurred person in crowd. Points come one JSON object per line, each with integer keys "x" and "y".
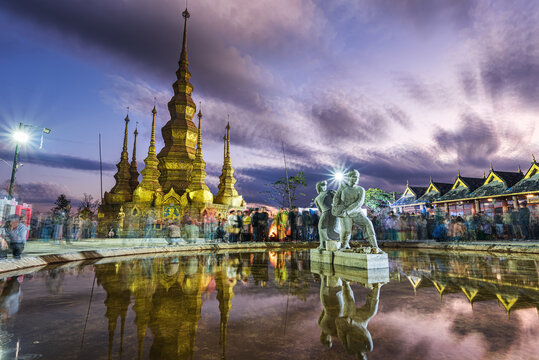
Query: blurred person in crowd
{"x": 149, "y": 228}
{"x": 507, "y": 220}
{"x": 174, "y": 233}
{"x": 16, "y": 233}
{"x": 281, "y": 221}
{"x": 246, "y": 226}
{"x": 191, "y": 231}
{"x": 440, "y": 231}
{"x": 411, "y": 227}
{"x": 306, "y": 229}
{"x": 233, "y": 226}
{"x": 517, "y": 231}
{"x": 263, "y": 224}
{"x": 255, "y": 218}
{"x": 422, "y": 227}
{"x": 459, "y": 229}
{"x": 315, "y": 218}
{"x": 403, "y": 224}
{"x": 292, "y": 223}
{"x": 4, "y": 245}
{"x": 498, "y": 223}
{"x": 524, "y": 220}
{"x": 219, "y": 232}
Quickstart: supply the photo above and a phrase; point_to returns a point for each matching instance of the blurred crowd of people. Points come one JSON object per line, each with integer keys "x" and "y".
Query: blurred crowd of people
{"x": 521, "y": 224}
{"x": 249, "y": 225}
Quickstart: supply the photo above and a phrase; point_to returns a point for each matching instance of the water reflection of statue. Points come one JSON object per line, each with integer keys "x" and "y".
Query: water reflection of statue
{"x": 327, "y": 222}
{"x": 352, "y": 326}
{"x": 341, "y": 318}
{"x": 332, "y": 306}
{"x": 347, "y": 204}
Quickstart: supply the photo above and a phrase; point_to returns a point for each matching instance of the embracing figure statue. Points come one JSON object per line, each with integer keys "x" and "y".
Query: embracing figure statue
{"x": 347, "y": 204}
{"x": 327, "y": 222}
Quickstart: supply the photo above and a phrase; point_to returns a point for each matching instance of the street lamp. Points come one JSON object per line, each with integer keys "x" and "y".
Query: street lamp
{"x": 21, "y": 137}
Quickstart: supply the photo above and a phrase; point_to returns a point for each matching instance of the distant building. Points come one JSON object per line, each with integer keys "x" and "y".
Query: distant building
{"x": 493, "y": 193}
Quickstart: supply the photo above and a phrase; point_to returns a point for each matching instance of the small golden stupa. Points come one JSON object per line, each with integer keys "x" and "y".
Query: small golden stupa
{"x": 173, "y": 180}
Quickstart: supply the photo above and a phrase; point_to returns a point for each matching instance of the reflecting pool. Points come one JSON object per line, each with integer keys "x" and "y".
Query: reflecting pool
{"x": 274, "y": 305}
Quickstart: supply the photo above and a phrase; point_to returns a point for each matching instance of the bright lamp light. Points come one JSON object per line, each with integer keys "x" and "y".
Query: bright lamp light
{"x": 20, "y": 136}
{"x": 339, "y": 176}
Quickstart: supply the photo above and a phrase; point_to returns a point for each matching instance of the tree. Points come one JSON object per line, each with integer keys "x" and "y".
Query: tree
{"x": 279, "y": 190}
{"x": 88, "y": 206}
{"x": 62, "y": 205}
{"x": 376, "y": 198}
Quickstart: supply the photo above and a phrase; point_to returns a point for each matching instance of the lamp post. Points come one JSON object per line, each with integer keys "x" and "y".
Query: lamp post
{"x": 20, "y": 137}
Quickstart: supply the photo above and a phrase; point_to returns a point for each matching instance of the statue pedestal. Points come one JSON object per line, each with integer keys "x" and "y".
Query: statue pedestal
{"x": 364, "y": 277}
{"x": 350, "y": 259}
{"x": 322, "y": 256}
{"x": 360, "y": 260}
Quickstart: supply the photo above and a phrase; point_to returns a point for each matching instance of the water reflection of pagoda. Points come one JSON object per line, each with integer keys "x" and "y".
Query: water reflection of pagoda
{"x": 173, "y": 180}
{"x": 167, "y": 295}
{"x": 478, "y": 278}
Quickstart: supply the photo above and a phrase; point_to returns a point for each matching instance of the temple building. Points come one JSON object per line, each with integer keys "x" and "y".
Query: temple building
{"x": 173, "y": 180}
{"x": 494, "y": 193}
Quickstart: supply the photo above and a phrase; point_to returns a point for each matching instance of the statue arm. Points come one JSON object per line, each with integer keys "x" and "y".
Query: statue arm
{"x": 317, "y": 204}
{"x": 355, "y": 207}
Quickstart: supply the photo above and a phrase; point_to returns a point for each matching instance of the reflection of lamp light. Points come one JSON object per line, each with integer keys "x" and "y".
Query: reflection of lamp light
{"x": 499, "y": 276}
{"x": 339, "y": 176}
{"x": 490, "y": 200}
{"x": 529, "y": 195}
{"x": 20, "y": 137}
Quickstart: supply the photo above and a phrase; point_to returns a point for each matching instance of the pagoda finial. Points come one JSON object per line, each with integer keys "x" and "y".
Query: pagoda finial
{"x": 152, "y": 138}
{"x": 458, "y": 174}
{"x": 407, "y": 183}
{"x": 228, "y": 139}
{"x": 199, "y": 137}
{"x": 431, "y": 178}
{"x": 186, "y": 16}
{"x": 519, "y": 169}
{"x": 533, "y": 158}
{"x": 124, "y": 150}
{"x": 491, "y": 168}
{"x": 484, "y": 176}
{"x": 133, "y": 171}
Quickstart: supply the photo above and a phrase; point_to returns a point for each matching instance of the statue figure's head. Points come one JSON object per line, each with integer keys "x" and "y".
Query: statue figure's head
{"x": 321, "y": 186}
{"x": 353, "y": 177}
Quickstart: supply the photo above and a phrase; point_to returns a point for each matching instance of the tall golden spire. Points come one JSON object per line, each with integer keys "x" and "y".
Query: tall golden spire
{"x": 121, "y": 192}
{"x": 227, "y": 194}
{"x": 149, "y": 188}
{"x": 179, "y": 133}
{"x": 199, "y": 191}
{"x": 133, "y": 182}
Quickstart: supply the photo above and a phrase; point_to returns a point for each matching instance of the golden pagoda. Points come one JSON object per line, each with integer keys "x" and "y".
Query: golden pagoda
{"x": 121, "y": 191}
{"x": 227, "y": 194}
{"x": 179, "y": 133}
{"x": 173, "y": 180}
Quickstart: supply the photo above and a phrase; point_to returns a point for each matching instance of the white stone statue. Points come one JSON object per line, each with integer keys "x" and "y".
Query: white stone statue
{"x": 327, "y": 222}
{"x": 347, "y": 204}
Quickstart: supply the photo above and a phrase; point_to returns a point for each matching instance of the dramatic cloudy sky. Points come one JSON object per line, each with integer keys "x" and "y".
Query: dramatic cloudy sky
{"x": 396, "y": 89}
